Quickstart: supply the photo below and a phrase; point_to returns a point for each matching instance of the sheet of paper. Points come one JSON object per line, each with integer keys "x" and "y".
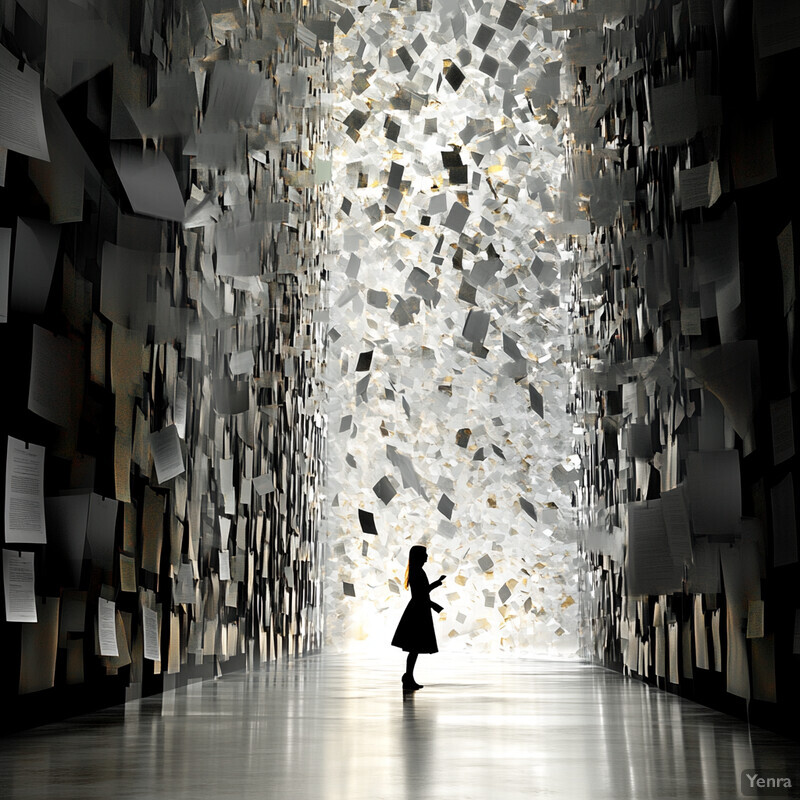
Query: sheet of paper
{"x": 149, "y": 182}
{"x": 127, "y": 573}
{"x": 24, "y": 506}
{"x": 661, "y": 652}
{"x": 107, "y": 627}
{"x": 716, "y": 617}
{"x": 152, "y": 647}
{"x": 715, "y": 492}
{"x": 737, "y": 679}
{"x": 777, "y": 26}
{"x": 700, "y": 633}
{"x": 101, "y": 530}
{"x": 224, "y": 565}
{"x": 37, "y": 666}
{"x": 152, "y": 530}
{"x": 67, "y": 518}
{"x": 686, "y": 648}
{"x": 651, "y": 569}
{"x": 676, "y": 521}
{"x": 764, "y": 684}
{"x": 704, "y": 569}
{"x": 18, "y": 586}
{"x": 674, "y": 675}
{"x": 54, "y": 361}
{"x": 183, "y": 590}
{"x": 167, "y": 456}
{"x": 22, "y": 123}
{"x": 755, "y": 619}
{"x": 35, "y": 254}
{"x": 5, "y": 271}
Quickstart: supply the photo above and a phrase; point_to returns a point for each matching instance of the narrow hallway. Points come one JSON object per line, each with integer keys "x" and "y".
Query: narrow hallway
{"x": 336, "y": 726}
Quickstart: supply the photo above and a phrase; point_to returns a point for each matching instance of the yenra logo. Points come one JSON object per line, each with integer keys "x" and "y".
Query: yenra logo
{"x": 764, "y": 782}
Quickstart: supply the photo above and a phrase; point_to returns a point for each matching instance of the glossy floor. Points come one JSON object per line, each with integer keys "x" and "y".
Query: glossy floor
{"x": 334, "y": 726}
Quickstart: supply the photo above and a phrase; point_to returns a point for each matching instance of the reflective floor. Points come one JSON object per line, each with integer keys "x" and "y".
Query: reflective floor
{"x": 335, "y": 726}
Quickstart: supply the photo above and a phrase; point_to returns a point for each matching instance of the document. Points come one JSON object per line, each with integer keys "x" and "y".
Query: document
{"x": 149, "y": 182}
{"x": 18, "y": 586}
{"x": 676, "y": 521}
{"x": 167, "y": 456}
{"x": 21, "y": 119}
{"x": 24, "y": 508}
{"x": 152, "y": 648}
{"x": 651, "y": 569}
{"x": 107, "y": 627}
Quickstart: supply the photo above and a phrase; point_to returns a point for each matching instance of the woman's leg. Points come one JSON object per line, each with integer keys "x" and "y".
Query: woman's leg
{"x": 410, "y": 662}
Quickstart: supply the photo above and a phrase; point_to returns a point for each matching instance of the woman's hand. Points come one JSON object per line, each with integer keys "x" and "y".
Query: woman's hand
{"x": 441, "y": 579}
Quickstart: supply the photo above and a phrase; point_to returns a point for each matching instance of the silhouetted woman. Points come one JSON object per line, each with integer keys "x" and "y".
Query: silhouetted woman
{"x": 415, "y": 632}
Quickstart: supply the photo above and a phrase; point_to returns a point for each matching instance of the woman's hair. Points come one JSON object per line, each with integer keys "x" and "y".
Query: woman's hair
{"x": 416, "y": 558}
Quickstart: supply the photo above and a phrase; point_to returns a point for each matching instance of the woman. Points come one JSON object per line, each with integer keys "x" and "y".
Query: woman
{"x": 415, "y": 632}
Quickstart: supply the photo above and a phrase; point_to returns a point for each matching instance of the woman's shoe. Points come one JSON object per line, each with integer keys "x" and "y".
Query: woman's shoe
{"x": 410, "y": 685}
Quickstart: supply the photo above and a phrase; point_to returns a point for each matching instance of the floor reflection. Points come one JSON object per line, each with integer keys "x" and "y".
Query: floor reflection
{"x": 331, "y": 726}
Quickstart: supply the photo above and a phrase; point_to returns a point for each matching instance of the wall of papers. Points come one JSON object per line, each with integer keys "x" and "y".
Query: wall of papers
{"x": 680, "y": 151}
{"x": 161, "y": 249}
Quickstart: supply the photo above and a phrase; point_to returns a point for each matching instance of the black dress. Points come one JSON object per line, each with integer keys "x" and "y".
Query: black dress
{"x": 415, "y": 632}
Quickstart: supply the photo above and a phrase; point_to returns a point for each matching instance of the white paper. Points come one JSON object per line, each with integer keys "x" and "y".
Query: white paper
{"x": 224, "y": 565}
{"x": 21, "y": 120}
{"x": 152, "y": 649}
{"x": 700, "y": 634}
{"x": 24, "y": 510}
{"x": 18, "y": 586}
{"x": 107, "y": 627}
{"x": 167, "y": 456}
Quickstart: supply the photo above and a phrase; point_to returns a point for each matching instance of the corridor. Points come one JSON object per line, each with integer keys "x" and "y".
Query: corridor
{"x": 332, "y": 726}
